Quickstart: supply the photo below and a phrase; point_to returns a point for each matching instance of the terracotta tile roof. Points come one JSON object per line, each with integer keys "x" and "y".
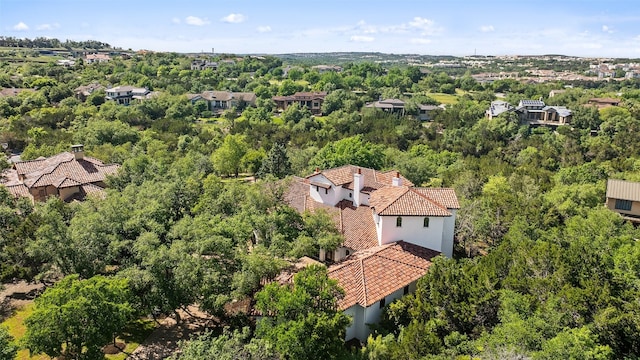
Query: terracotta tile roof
{"x": 19, "y": 190}
{"x": 368, "y": 276}
{"x": 373, "y": 179}
{"x": 60, "y": 171}
{"x": 357, "y": 226}
{"x": 444, "y": 196}
{"x": 406, "y": 201}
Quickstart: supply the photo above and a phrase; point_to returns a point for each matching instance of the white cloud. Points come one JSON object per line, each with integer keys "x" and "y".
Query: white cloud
{"x": 234, "y": 18}
{"x": 487, "y": 28}
{"x": 362, "y": 38}
{"x": 264, "y": 29}
{"x": 420, "y": 41}
{"x": 607, "y": 29}
{"x": 20, "y": 26}
{"x": 176, "y": 20}
{"x": 421, "y": 23}
{"x": 196, "y": 21}
{"x": 47, "y": 26}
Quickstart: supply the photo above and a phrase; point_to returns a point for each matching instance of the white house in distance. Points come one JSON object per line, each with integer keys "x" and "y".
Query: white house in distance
{"x": 391, "y": 232}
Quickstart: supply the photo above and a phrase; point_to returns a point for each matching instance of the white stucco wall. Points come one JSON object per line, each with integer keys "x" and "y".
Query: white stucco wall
{"x": 361, "y": 317}
{"x": 321, "y": 195}
{"x": 412, "y": 231}
{"x": 448, "y": 233}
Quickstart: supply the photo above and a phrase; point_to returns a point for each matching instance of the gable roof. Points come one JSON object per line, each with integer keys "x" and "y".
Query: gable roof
{"x": 60, "y": 171}
{"x": 373, "y": 179}
{"x": 407, "y": 201}
{"x": 370, "y": 275}
{"x": 623, "y": 190}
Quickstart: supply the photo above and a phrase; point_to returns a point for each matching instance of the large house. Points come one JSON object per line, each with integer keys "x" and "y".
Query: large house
{"x": 532, "y": 112}
{"x": 311, "y": 100}
{"x": 397, "y": 106}
{"x": 623, "y": 197}
{"x": 83, "y": 92}
{"x": 199, "y": 64}
{"x": 68, "y": 175}
{"x": 123, "y": 95}
{"x": 221, "y": 100}
{"x": 391, "y": 232}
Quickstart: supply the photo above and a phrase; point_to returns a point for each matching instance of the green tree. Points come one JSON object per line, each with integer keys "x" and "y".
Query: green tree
{"x": 227, "y": 158}
{"x": 231, "y": 345}
{"x": 75, "y": 318}
{"x": 8, "y": 349}
{"x": 276, "y": 163}
{"x": 352, "y": 150}
{"x": 303, "y": 320}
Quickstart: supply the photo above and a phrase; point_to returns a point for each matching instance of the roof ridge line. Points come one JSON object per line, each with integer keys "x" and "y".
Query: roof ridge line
{"x": 430, "y": 200}
{"x": 391, "y": 202}
{"x": 364, "y": 282}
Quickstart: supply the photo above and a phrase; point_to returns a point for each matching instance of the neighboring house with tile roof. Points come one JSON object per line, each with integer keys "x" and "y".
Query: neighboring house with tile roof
{"x": 68, "y": 175}
{"x": 221, "y": 100}
{"x": 391, "y": 232}
{"x": 83, "y": 92}
{"x": 311, "y": 100}
{"x": 623, "y": 197}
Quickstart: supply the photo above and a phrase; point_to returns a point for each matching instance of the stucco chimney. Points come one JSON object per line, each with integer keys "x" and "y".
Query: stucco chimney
{"x": 78, "y": 151}
{"x": 397, "y": 180}
{"x": 358, "y": 184}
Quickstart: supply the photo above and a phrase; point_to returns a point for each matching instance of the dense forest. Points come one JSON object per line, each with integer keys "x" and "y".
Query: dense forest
{"x": 541, "y": 268}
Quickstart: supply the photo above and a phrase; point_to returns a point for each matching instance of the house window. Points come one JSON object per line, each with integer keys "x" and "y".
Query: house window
{"x": 350, "y": 195}
{"x": 623, "y": 204}
{"x": 425, "y": 223}
{"x": 399, "y": 221}
{"x": 382, "y": 303}
{"x": 326, "y": 191}
{"x": 405, "y": 291}
{"x": 348, "y": 252}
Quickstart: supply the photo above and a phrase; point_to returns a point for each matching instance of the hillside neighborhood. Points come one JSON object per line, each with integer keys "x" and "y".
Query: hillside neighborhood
{"x": 317, "y": 206}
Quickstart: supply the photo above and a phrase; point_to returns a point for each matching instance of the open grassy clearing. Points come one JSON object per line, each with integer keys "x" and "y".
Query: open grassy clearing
{"x": 132, "y": 336}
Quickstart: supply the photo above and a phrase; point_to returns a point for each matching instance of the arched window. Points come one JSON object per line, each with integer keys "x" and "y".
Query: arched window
{"x": 426, "y": 222}
{"x": 399, "y": 221}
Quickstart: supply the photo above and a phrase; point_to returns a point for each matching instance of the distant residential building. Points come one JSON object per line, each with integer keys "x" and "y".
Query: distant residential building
{"x": 498, "y": 107}
{"x": 623, "y": 197}
{"x": 203, "y": 65}
{"x": 221, "y": 100}
{"x": 13, "y": 91}
{"x": 326, "y": 68}
{"x": 425, "y": 112}
{"x": 68, "y": 175}
{"x": 535, "y": 112}
{"x": 66, "y": 62}
{"x": 397, "y": 106}
{"x": 553, "y": 93}
{"x": 532, "y": 112}
{"x": 602, "y": 103}
{"x": 82, "y": 92}
{"x": 311, "y": 100}
{"x": 96, "y": 58}
{"x": 392, "y": 106}
{"x": 123, "y": 95}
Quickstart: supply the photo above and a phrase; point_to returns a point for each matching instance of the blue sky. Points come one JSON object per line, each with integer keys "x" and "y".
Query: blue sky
{"x": 605, "y": 28}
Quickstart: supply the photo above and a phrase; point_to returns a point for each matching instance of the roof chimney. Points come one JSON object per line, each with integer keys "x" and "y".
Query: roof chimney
{"x": 317, "y": 170}
{"x": 78, "y": 151}
{"x": 358, "y": 184}
{"x": 396, "y": 180}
